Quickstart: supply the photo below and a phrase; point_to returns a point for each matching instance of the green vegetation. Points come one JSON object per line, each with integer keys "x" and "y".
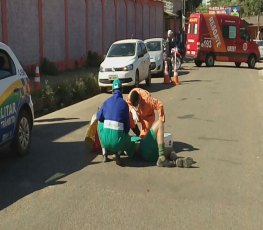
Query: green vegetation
{"x": 93, "y": 59}
{"x": 48, "y": 67}
{"x": 54, "y": 97}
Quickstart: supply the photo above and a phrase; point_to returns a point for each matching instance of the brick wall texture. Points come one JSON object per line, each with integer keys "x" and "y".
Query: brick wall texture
{"x": 63, "y": 31}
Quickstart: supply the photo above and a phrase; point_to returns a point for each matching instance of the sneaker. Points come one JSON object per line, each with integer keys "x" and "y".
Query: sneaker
{"x": 104, "y": 158}
{"x": 163, "y": 162}
{"x": 184, "y": 162}
{"x": 179, "y": 162}
{"x": 188, "y": 161}
{"x": 173, "y": 156}
{"x": 118, "y": 160}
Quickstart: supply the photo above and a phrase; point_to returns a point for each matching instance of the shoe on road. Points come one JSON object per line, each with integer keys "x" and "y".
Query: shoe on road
{"x": 118, "y": 160}
{"x": 163, "y": 162}
{"x": 184, "y": 162}
{"x": 104, "y": 158}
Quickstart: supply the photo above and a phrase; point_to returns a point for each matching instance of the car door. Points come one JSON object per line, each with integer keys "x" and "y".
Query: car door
{"x": 145, "y": 61}
{"x": 140, "y": 61}
{"x": 10, "y": 95}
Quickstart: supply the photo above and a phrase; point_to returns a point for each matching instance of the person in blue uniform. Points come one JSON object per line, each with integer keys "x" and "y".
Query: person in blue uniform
{"x": 114, "y": 125}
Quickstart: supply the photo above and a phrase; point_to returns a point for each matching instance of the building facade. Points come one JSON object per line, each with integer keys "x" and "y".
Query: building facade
{"x": 63, "y": 31}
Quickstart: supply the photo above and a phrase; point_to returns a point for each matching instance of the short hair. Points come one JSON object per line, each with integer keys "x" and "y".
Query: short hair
{"x": 134, "y": 98}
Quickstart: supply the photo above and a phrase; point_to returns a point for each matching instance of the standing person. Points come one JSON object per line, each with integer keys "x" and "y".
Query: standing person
{"x": 114, "y": 124}
{"x": 169, "y": 44}
{"x": 143, "y": 106}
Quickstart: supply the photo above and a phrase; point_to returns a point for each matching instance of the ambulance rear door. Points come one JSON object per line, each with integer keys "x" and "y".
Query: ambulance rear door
{"x": 192, "y": 41}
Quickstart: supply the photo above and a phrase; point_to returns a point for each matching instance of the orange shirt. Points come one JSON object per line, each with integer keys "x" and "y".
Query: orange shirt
{"x": 146, "y": 109}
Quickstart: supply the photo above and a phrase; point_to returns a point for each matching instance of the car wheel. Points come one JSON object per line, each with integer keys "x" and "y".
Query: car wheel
{"x": 198, "y": 63}
{"x": 251, "y": 61}
{"x": 210, "y": 60}
{"x": 22, "y": 139}
{"x": 149, "y": 78}
{"x": 137, "y": 81}
{"x": 237, "y": 64}
{"x": 178, "y": 63}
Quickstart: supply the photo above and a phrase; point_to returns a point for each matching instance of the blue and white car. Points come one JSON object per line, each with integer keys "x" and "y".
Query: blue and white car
{"x": 16, "y": 107}
{"x": 155, "y": 48}
{"x": 127, "y": 60}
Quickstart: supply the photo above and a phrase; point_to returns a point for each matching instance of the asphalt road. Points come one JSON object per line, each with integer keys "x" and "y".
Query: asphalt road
{"x": 215, "y": 116}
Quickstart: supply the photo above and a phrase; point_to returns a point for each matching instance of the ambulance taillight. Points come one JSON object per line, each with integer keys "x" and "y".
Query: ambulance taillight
{"x": 198, "y": 46}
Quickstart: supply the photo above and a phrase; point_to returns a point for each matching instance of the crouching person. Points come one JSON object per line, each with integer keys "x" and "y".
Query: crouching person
{"x": 114, "y": 125}
{"x": 143, "y": 106}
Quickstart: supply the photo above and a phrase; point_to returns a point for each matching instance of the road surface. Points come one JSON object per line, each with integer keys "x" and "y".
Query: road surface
{"x": 215, "y": 116}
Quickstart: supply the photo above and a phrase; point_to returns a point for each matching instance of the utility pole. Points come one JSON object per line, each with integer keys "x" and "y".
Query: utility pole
{"x": 183, "y": 24}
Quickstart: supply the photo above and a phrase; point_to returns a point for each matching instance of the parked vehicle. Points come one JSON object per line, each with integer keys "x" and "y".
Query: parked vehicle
{"x": 219, "y": 37}
{"x": 260, "y": 47}
{"x": 179, "y": 58}
{"x": 129, "y": 61}
{"x": 16, "y": 107}
{"x": 155, "y": 48}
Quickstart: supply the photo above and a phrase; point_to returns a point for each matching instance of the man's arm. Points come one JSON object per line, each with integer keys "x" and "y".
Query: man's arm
{"x": 157, "y": 105}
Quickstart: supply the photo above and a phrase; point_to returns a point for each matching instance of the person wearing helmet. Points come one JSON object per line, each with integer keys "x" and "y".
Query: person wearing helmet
{"x": 114, "y": 124}
{"x": 170, "y": 43}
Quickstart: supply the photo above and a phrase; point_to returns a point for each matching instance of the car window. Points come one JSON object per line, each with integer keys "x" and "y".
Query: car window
{"x": 139, "y": 50}
{"x": 143, "y": 47}
{"x": 153, "y": 46}
{"x": 122, "y": 50}
{"x": 7, "y": 66}
{"x": 229, "y": 32}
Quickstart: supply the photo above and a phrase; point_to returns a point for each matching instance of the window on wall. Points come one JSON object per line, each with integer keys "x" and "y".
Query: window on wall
{"x": 229, "y": 32}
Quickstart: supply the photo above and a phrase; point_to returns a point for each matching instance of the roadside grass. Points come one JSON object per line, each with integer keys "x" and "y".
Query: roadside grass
{"x": 64, "y": 89}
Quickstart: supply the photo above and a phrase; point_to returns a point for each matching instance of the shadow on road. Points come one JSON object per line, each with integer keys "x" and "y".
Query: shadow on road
{"x": 51, "y": 159}
{"x": 183, "y": 147}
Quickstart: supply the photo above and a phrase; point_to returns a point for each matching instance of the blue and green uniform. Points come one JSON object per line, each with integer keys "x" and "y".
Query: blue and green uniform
{"x": 114, "y": 125}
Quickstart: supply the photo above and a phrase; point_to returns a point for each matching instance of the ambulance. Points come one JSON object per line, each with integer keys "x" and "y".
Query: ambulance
{"x": 16, "y": 107}
{"x": 219, "y": 37}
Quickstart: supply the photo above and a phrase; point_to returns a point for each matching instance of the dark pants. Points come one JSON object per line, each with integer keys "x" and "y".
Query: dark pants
{"x": 170, "y": 67}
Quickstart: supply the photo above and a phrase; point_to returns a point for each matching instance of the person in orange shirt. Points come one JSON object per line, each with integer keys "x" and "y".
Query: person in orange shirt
{"x": 142, "y": 107}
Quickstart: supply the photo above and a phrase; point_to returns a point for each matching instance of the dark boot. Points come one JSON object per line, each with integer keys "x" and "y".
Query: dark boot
{"x": 163, "y": 162}
{"x": 118, "y": 159}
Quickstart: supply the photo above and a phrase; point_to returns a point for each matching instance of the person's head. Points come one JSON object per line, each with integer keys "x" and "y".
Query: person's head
{"x": 170, "y": 33}
{"x": 135, "y": 98}
{"x": 116, "y": 84}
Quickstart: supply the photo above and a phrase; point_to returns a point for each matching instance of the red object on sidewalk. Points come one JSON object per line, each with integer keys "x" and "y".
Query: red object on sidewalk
{"x": 96, "y": 148}
{"x": 166, "y": 78}
{"x": 37, "y": 84}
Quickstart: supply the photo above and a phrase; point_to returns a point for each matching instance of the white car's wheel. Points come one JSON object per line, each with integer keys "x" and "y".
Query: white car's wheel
{"x": 137, "y": 79}
{"x": 149, "y": 78}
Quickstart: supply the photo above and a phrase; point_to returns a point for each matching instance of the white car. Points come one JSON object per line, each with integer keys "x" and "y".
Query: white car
{"x": 155, "y": 48}
{"x": 260, "y": 47}
{"x": 16, "y": 107}
{"x": 129, "y": 61}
